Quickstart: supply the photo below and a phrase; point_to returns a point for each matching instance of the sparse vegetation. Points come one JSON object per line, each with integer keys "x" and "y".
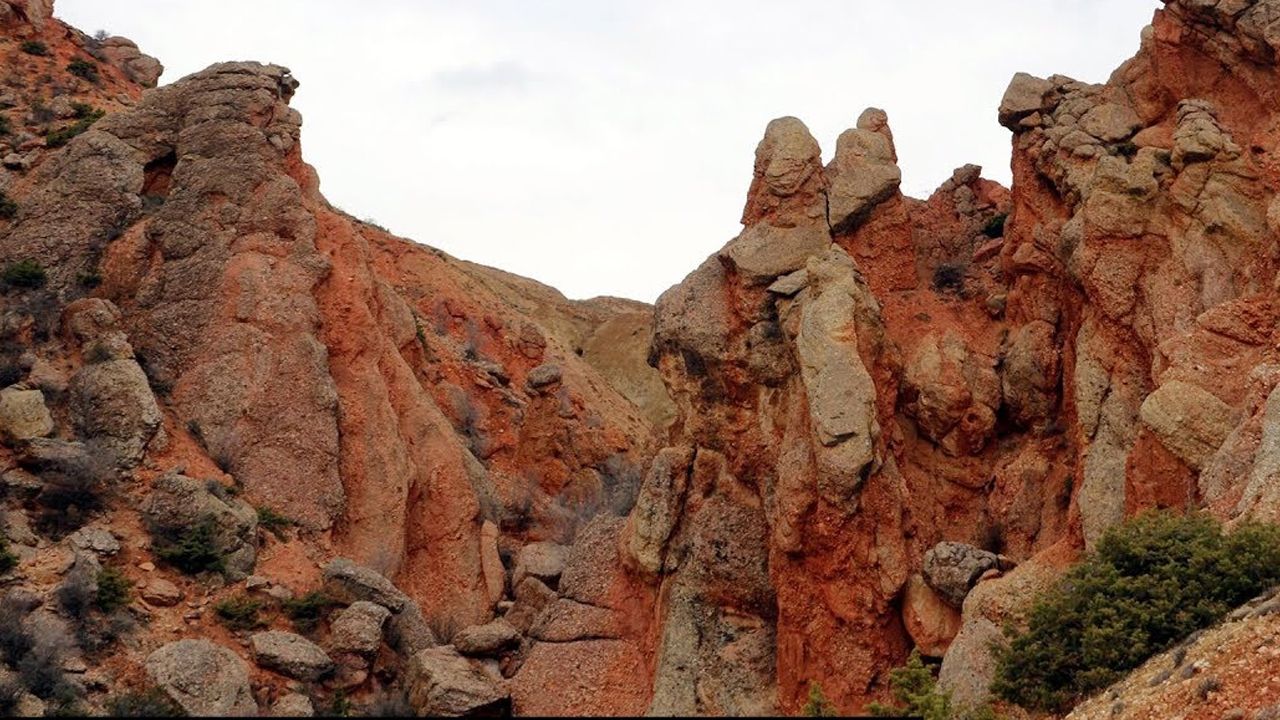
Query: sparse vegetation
{"x": 89, "y": 280}
{"x": 274, "y": 523}
{"x": 239, "y": 613}
{"x": 96, "y": 353}
{"x": 114, "y": 590}
{"x": 8, "y": 560}
{"x": 994, "y": 227}
{"x": 77, "y": 591}
{"x": 341, "y": 705}
{"x": 151, "y": 702}
{"x": 74, "y": 488}
{"x": 25, "y": 274}
{"x": 194, "y": 550}
{"x": 6, "y": 126}
{"x": 83, "y": 69}
{"x": 948, "y": 276}
{"x": 85, "y": 117}
{"x": 307, "y": 611}
{"x": 35, "y": 47}
{"x": 35, "y": 648}
{"x": 1149, "y": 583}
{"x": 8, "y": 208}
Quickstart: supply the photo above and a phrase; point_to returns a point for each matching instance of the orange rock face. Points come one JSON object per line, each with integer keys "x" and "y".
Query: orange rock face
{"x": 412, "y": 412}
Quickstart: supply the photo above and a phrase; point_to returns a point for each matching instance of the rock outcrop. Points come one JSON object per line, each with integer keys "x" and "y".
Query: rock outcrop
{"x": 203, "y": 678}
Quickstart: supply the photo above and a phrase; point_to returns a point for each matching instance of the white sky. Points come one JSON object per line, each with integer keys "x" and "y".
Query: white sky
{"x": 602, "y": 146}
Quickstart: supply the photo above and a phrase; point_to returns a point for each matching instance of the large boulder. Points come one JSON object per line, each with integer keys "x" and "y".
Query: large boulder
{"x": 837, "y": 318}
{"x": 952, "y": 569}
{"x": 205, "y": 679}
{"x": 864, "y": 171}
{"x": 407, "y": 629}
{"x": 358, "y": 628}
{"x": 291, "y": 655}
{"x": 178, "y": 503}
{"x": 1189, "y": 420}
{"x": 1024, "y": 96}
{"x": 123, "y": 52}
{"x": 930, "y": 621}
{"x": 443, "y": 683}
{"x": 346, "y": 581}
{"x": 541, "y": 560}
{"x": 112, "y": 401}
{"x": 657, "y": 508}
{"x": 488, "y": 639}
{"x": 23, "y": 415}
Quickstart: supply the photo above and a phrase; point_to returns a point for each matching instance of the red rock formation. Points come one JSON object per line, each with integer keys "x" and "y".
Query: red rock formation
{"x": 872, "y": 373}
{"x": 855, "y": 378}
{"x": 390, "y": 399}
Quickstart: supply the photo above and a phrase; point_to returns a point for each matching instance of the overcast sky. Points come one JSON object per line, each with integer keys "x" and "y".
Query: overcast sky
{"x": 605, "y": 146}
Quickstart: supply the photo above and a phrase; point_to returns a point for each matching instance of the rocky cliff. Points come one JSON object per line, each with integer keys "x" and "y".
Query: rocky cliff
{"x": 860, "y": 375}
{"x": 868, "y": 424}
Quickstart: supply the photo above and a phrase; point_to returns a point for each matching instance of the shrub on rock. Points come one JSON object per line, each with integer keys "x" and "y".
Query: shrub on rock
{"x": 1149, "y": 583}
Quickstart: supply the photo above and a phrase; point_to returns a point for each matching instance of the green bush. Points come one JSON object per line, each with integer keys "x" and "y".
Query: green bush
{"x": 151, "y": 702}
{"x": 6, "y": 126}
{"x": 35, "y": 47}
{"x": 1149, "y": 583}
{"x": 239, "y": 613}
{"x": 8, "y": 208}
{"x": 818, "y": 705}
{"x": 274, "y": 522}
{"x": 307, "y": 611}
{"x": 995, "y": 226}
{"x": 82, "y": 68}
{"x": 113, "y": 590}
{"x": 914, "y": 687}
{"x": 194, "y": 550}
{"x": 26, "y": 274}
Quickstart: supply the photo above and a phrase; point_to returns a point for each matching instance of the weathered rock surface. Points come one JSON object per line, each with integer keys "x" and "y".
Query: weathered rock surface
{"x": 159, "y": 592}
{"x": 486, "y": 640}
{"x": 290, "y": 654}
{"x": 443, "y": 683}
{"x": 203, "y": 678}
{"x": 952, "y": 569}
{"x": 24, "y": 415}
{"x": 931, "y": 622}
{"x": 358, "y": 628}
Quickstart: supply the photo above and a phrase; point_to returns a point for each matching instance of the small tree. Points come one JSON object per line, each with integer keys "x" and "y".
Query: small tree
{"x": 915, "y": 688}
{"x": 818, "y": 705}
{"x": 194, "y": 550}
{"x": 113, "y": 590}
